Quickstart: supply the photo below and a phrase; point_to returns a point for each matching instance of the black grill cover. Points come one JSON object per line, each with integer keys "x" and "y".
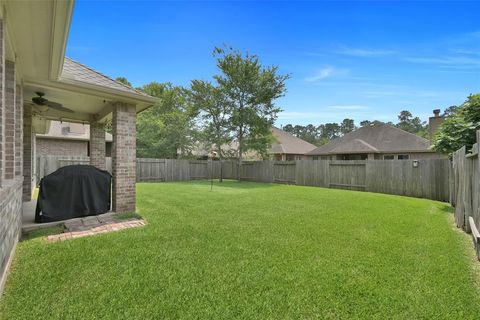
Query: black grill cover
{"x": 72, "y": 192}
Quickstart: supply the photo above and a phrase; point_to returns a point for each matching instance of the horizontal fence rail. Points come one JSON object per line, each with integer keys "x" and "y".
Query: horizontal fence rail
{"x": 427, "y": 178}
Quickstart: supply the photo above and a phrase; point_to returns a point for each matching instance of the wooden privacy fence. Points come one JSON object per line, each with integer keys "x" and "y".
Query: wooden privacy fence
{"x": 176, "y": 170}
{"x": 48, "y": 164}
{"x": 417, "y": 178}
{"x": 465, "y": 194}
{"x": 427, "y": 178}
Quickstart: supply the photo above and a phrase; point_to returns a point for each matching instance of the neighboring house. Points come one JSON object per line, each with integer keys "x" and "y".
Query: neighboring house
{"x": 72, "y": 139}
{"x": 34, "y": 69}
{"x": 377, "y": 142}
{"x": 286, "y": 147}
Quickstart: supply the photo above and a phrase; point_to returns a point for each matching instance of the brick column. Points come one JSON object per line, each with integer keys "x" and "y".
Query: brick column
{"x": 97, "y": 145}
{"x": 2, "y": 100}
{"x": 18, "y": 131}
{"x": 124, "y": 157}
{"x": 9, "y": 121}
{"x": 28, "y": 160}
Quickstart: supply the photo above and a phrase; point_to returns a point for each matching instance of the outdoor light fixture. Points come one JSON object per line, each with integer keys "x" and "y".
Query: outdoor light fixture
{"x": 415, "y": 163}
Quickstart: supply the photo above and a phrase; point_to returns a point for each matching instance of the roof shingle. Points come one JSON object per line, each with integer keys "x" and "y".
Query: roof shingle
{"x": 74, "y": 70}
{"x": 286, "y": 143}
{"x": 377, "y": 138}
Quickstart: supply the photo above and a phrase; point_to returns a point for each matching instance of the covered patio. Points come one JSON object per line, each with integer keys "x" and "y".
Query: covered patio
{"x": 92, "y": 98}
{"x": 39, "y": 84}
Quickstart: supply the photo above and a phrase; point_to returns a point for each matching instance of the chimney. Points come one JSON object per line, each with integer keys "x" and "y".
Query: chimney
{"x": 434, "y": 123}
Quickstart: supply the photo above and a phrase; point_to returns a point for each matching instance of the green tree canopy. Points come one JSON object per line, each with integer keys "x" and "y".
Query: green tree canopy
{"x": 166, "y": 130}
{"x": 409, "y": 123}
{"x": 214, "y": 115}
{"x": 124, "y": 81}
{"x": 459, "y": 128}
{"x": 250, "y": 90}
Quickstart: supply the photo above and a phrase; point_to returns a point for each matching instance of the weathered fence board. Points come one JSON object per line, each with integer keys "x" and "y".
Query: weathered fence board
{"x": 348, "y": 175}
{"x": 429, "y": 179}
{"x": 284, "y": 172}
{"x": 151, "y": 169}
{"x": 465, "y": 196}
{"x": 459, "y": 167}
{"x": 48, "y": 164}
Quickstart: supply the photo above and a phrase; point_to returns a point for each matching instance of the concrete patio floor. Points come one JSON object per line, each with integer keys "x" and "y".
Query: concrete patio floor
{"x": 29, "y": 224}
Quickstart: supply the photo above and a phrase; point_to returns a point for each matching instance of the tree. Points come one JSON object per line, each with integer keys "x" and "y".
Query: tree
{"x": 124, "y": 81}
{"x": 250, "y": 90}
{"x": 347, "y": 126}
{"x": 409, "y": 123}
{"x": 450, "y": 110}
{"x": 331, "y": 131}
{"x": 288, "y": 128}
{"x": 166, "y": 130}
{"x": 214, "y": 113}
{"x": 459, "y": 128}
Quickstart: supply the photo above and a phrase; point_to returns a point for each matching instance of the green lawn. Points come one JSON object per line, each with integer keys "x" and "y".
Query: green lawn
{"x": 255, "y": 251}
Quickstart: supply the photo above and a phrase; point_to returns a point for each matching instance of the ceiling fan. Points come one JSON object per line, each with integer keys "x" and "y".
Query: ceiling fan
{"x": 41, "y": 101}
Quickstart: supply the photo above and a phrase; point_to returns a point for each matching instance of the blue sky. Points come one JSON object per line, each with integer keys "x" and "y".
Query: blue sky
{"x": 363, "y": 60}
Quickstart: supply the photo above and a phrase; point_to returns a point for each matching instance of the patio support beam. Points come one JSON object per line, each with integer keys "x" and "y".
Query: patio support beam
{"x": 124, "y": 157}
{"x": 9, "y": 121}
{"x": 97, "y": 144}
{"x": 28, "y": 139}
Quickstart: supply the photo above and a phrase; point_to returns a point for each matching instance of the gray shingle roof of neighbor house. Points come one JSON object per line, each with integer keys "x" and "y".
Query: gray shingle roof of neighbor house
{"x": 377, "y": 138}
{"x": 288, "y": 144}
{"x": 79, "y": 72}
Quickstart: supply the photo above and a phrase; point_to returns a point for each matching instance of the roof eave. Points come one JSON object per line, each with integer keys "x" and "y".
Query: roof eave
{"x": 61, "y": 21}
{"x": 367, "y": 152}
{"x": 126, "y": 96}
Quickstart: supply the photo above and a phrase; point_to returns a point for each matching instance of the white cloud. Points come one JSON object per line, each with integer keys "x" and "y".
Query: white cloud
{"x": 326, "y": 72}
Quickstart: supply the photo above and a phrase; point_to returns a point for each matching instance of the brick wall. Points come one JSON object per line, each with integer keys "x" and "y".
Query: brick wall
{"x": 124, "y": 157}
{"x": 61, "y": 147}
{"x": 2, "y": 98}
{"x": 10, "y": 223}
{"x": 18, "y": 131}
{"x": 9, "y": 121}
{"x": 28, "y": 138}
{"x": 97, "y": 145}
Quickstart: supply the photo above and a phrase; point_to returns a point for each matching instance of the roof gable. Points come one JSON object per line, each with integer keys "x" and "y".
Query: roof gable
{"x": 289, "y": 144}
{"x": 377, "y": 138}
{"x": 76, "y": 71}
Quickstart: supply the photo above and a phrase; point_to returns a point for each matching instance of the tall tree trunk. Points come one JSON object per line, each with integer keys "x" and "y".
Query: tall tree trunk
{"x": 220, "y": 157}
{"x": 240, "y": 152}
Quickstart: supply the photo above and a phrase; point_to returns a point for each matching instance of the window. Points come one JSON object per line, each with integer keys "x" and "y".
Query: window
{"x": 388, "y": 157}
{"x": 403, "y": 157}
{"x": 315, "y": 157}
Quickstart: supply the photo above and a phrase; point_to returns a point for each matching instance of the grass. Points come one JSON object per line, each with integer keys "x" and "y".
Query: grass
{"x": 126, "y": 216}
{"x": 255, "y": 251}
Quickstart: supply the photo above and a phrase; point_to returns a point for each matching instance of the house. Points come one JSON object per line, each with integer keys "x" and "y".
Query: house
{"x": 288, "y": 147}
{"x": 38, "y": 84}
{"x": 285, "y": 147}
{"x": 66, "y": 138}
{"x": 377, "y": 142}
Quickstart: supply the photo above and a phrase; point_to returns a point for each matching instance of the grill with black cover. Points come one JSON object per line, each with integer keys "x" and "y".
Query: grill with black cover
{"x": 72, "y": 192}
